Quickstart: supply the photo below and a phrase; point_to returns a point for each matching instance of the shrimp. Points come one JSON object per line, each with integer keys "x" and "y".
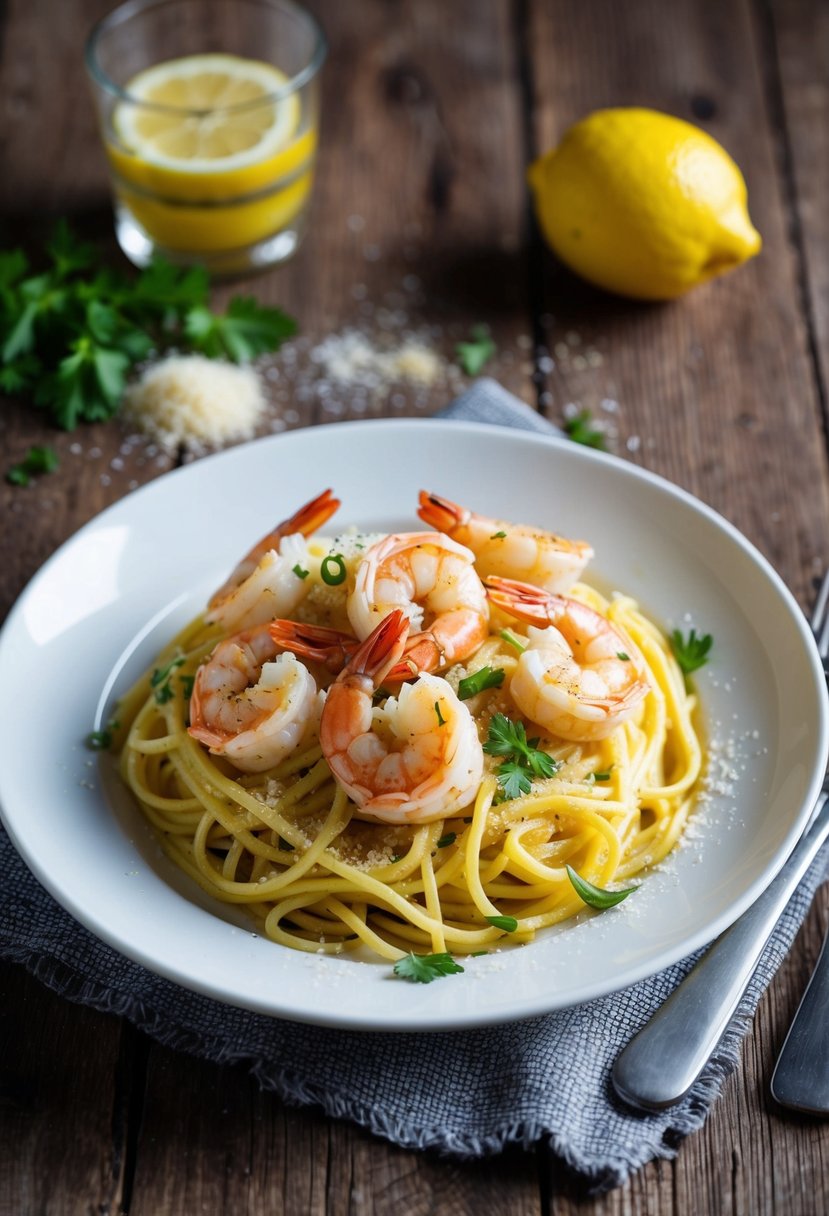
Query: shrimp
{"x": 579, "y": 677}
{"x": 253, "y": 701}
{"x": 512, "y": 550}
{"x": 264, "y": 584}
{"x": 433, "y": 580}
{"x": 415, "y": 759}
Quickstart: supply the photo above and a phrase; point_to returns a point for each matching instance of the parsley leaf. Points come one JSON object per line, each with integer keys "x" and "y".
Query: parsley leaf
{"x": 246, "y": 330}
{"x": 485, "y": 677}
{"x": 37, "y": 460}
{"x": 581, "y": 430}
{"x": 596, "y": 897}
{"x": 508, "y": 923}
{"x": 527, "y": 761}
{"x": 423, "y": 968}
{"x": 475, "y": 353}
{"x": 691, "y": 652}
{"x": 160, "y": 681}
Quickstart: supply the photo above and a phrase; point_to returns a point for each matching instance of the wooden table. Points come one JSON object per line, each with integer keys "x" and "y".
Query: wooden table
{"x": 432, "y": 111}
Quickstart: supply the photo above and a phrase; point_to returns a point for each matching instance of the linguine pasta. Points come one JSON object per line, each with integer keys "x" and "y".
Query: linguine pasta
{"x": 316, "y": 876}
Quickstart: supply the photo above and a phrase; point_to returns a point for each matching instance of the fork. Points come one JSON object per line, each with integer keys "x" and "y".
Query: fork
{"x": 662, "y": 1062}
{"x": 800, "y": 1079}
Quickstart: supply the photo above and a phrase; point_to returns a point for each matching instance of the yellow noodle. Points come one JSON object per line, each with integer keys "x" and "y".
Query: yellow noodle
{"x": 287, "y": 845}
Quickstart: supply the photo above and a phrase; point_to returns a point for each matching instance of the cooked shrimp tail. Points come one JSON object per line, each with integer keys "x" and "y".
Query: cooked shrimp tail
{"x": 252, "y": 701}
{"x": 503, "y": 548}
{"x": 265, "y": 583}
{"x": 411, "y": 760}
{"x": 432, "y": 579}
{"x": 580, "y": 676}
{"x": 331, "y": 647}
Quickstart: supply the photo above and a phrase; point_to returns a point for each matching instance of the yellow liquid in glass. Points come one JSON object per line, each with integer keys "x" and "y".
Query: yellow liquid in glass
{"x": 209, "y": 156}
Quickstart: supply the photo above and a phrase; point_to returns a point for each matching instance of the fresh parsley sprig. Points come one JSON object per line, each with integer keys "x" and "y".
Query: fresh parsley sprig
{"x": 692, "y": 652}
{"x": 160, "y": 681}
{"x": 71, "y": 332}
{"x": 474, "y": 354}
{"x": 423, "y": 968}
{"x": 525, "y": 760}
{"x": 580, "y": 429}
{"x": 37, "y": 460}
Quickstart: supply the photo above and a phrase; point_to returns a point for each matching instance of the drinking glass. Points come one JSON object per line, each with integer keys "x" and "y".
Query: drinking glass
{"x": 209, "y": 114}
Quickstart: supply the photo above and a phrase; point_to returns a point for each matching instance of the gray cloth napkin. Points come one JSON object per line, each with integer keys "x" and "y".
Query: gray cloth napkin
{"x": 464, "y": 1093}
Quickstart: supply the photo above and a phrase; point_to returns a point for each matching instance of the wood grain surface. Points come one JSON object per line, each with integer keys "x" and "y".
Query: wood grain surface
{"x": 421, "y": 223}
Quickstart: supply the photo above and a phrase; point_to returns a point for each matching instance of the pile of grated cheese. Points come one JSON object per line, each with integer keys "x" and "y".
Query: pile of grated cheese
{"x": 195, "y": 402}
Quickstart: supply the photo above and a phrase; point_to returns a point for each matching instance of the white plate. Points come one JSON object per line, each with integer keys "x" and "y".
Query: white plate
{"x": 99, "y": 610}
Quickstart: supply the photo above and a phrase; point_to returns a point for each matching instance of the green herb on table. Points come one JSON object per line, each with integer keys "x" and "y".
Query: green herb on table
{"x": 692, "y": 652}
{"x": 423, "y": 968}
{"x": 580, "y": 429}
{"x": 523, "y": 760}
{"x": 37, "y": 460}
{"x": 71, "y": 332}
{"x": 485, "y": 677}
{"x": 475, "y": 353}
{"x": 596, "y": 897}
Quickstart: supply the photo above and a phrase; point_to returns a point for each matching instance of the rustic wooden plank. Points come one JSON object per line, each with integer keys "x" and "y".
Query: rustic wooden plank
{"x": 246, "y": 1152}
{"x": 60, "y": 1115}
{"x": 716, "y": 391}
{"x": 798, "y": 36}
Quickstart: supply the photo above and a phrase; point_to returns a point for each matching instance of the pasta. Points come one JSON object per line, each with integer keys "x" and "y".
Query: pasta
{"x": 319, "y": 873}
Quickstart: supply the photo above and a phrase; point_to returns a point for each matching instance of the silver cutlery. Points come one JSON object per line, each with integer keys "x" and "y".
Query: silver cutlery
{"x": 801, "y": 1076}
{"x": 662, "y": 1062}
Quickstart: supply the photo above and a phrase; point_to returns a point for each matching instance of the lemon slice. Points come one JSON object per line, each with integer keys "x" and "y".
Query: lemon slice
{"x": 207, "y": 114}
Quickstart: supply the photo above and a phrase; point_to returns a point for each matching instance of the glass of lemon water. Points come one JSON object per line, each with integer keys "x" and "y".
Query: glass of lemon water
{"x": 209, "y": 111}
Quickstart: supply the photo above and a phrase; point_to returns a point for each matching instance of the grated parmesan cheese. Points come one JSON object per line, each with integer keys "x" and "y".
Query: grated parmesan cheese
{"x": 196, "y": 402}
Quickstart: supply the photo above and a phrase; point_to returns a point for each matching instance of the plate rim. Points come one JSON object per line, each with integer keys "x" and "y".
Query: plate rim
{"x": 487, "y": 1016}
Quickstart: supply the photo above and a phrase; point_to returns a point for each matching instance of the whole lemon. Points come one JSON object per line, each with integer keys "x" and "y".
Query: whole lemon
{"x": 643, "y": 204}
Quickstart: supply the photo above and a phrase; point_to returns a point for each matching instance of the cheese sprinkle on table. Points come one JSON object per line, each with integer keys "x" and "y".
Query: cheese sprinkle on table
{"x": 195, "y": 402}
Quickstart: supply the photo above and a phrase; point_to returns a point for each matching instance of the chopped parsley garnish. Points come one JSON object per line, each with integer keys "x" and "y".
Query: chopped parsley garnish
{"x": 486, "y": 677}
{"x": 691, "y": 652}
{"x": 596, "y": 897}
{"x": 620, "y": 654}
{"x": 332, "y": 570}
{"x": 101, "y": 740}
{"x": 285, "y": 845}
{"x": 299, "y": 572}
{"x": 441, "y": 719}
{"x": 423, "y": 968}
{"x": 446, "y": 840}
{"x": 474, "y": 354}
{"x": 525, "y": 761}
{"x": 37, "y": 460}
{"x": 512, "y": 639}
{"x": 603, "y": 776}
{"x": 580, "y": 429}
{"x": 498, "y": 536}
{"x": 187, "y": 683}
{"x": 508, "y": 923}
{"x": 160, "y": 681}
